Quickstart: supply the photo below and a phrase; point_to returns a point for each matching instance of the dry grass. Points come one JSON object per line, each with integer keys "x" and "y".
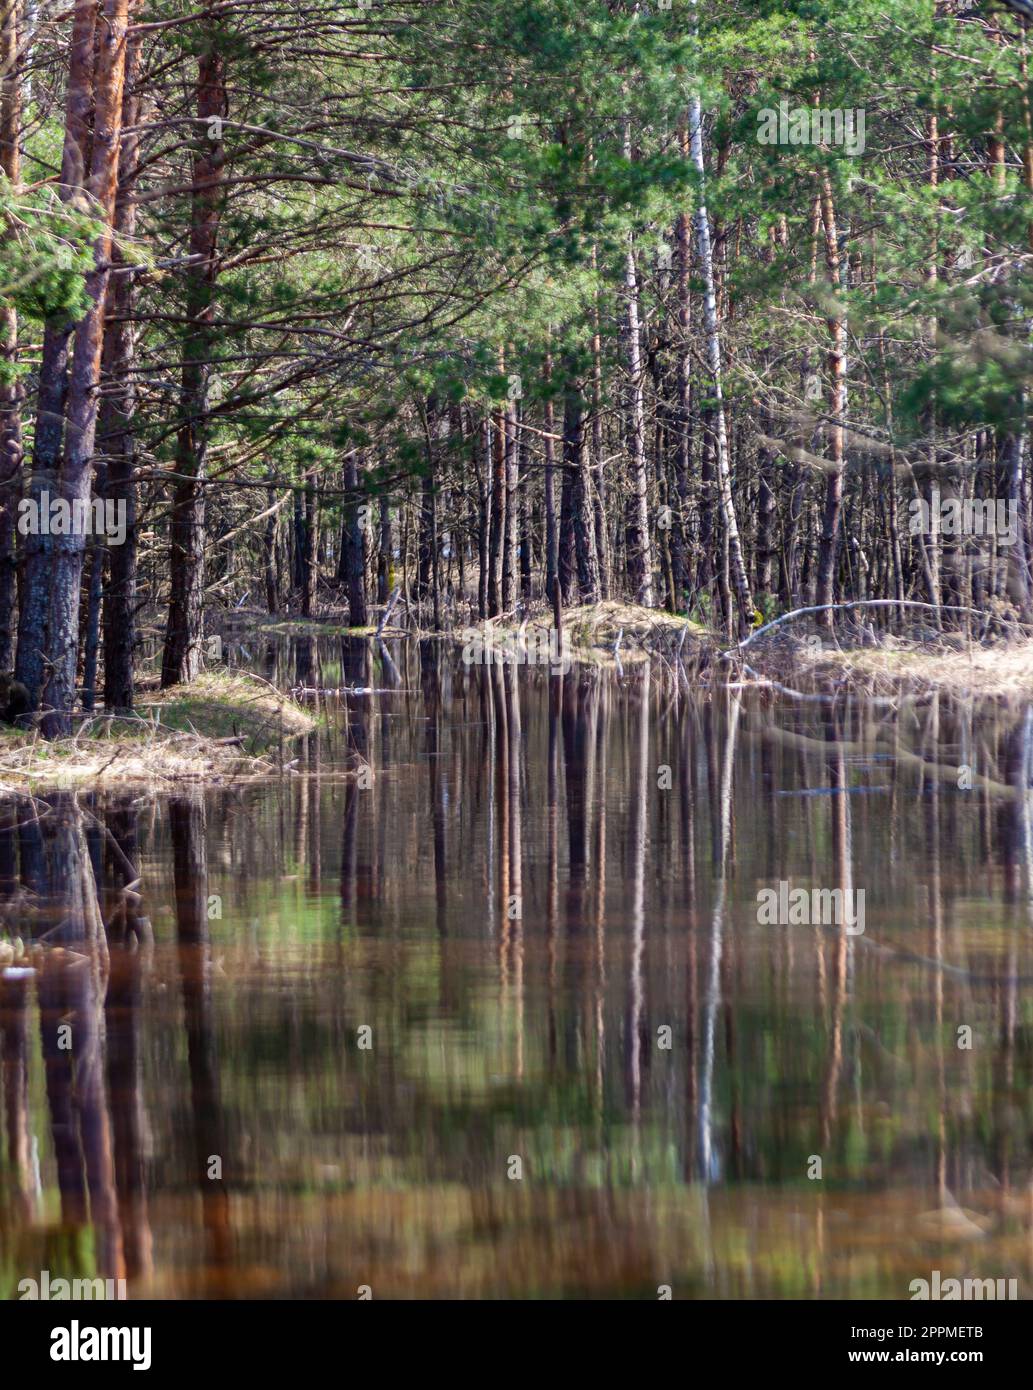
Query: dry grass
{"x": 220, "y": 727}
{"x": 221, "y": 704}
{"x": 896, "y": 666}
{"x": 999, "y": 670}
{"x": 607, "y": 633}
{"x": 331, "y": 620}
{"x": 303, "y": 627}
{"x": 594, "y": 628}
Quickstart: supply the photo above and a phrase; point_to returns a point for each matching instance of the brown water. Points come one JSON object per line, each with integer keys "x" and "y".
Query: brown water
{"x": 313, "y": 1045}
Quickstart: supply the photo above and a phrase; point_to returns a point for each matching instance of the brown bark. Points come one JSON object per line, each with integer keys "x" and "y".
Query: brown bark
{"x": 639, "y": 556}
{"x": 510, "y": 533}
{"x": 497, "y": 517}
{"x": 552, "y": 556}
{"x": 680, "y": 562}
{"x": 34, "y": 615}
{"x": 11, "y": 452}
{"x": 116, "y": 437}
{"x": 181, "y": 658}
{"x": 83, "y": 391}
{"x": 354, "y": 546}
{"x": 825, "y": 583}
{"x": 726, "y": 505}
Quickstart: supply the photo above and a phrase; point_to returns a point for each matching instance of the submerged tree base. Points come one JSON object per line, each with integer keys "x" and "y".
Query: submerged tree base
{"x": 219, "y": 727}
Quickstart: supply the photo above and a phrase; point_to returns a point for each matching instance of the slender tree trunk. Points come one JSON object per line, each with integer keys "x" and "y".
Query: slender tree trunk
{"x": 10, "y": 392}
{"x": 498, "y": 517}
{"x": 425, "y": 557}
{"x": 83, "y": 390}
{"x": 484, "y": 518}
{"x": 726, "y": 505}
{"x": 825, "y": 585}
{"x": 639, "y": 554}
{"x": 181, "y": 658}
{"x": 34, "y": 616}
{"x": 1016, "y": 468}
{"x": 765, "y": 523}
{"x": 584, "y": 529}
{"x": 579, "y": 519}
{"x": 308, "y": 551}
{"x": 552, "y": 546}
{"x": 385, "y": 553}
{"x": 1017, "y": 558}
{"x": 91, "y": 642}
{"x": 117, "y": 440}
{"x": 525, "y": 520}
{"x": 510, "y": 540}
{"x": 354, "y": 546}
{"x": 598, "y": 472}
{"x": 429, "y": 574}
{"x": 269, "y": 554}
{"x": 680, "y": 576}
{"x": 298, "y": 541}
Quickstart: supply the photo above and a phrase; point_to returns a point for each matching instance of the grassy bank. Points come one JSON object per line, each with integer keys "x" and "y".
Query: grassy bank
{"x": 329, "y": 620}
{"x": 916, "y": 659}
{"x": 997, "y": 670}
{"x": 609, "y": 634}
{"x": 992, "y": 660}
{"x": 219, "y": 727}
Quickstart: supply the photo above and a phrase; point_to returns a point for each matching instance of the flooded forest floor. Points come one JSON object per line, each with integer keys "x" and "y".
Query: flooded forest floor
{"x": 235, "y": 724}
{"x": 222, "y": 725}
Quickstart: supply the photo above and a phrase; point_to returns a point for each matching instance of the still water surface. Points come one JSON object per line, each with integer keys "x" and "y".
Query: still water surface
{"x": 299, "y": 1036}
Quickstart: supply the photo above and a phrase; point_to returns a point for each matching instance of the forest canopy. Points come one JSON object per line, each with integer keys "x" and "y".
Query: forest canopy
{"x": 477, "y": 307}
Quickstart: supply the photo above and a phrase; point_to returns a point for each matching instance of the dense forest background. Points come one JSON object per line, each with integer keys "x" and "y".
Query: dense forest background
{"x": 470, "y": 307}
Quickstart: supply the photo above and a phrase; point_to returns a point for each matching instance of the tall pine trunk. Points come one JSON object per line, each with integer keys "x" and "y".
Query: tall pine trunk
{"x": 48, "y": 437}
{"x": 497, "y": 516}
{"x": 10, "y": 393}
{"x": 639, "y": 556}
{"x": 510, "y": 532}
{"x": 825, "y": 584}
{"x": 680, "y": 562}
{"x": 116, "y": 437}
{"x": 83, "y": 391}
{"x": 740, "y": 580}
{"x": 181, "y": 658}
{"x": 354, "y": 546}
{"x": 552, "y": 536}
